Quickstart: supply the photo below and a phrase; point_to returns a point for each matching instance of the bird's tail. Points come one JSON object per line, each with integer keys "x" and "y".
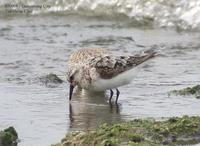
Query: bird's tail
{"x": 146, "y": 55}
{"x": 151, "y": 53}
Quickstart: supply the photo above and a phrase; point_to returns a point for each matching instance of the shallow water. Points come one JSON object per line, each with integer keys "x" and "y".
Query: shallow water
{"x": 34, "y": 46}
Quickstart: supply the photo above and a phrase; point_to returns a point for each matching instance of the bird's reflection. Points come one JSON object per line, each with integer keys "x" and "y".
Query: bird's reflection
{"x": 89, "y": 110}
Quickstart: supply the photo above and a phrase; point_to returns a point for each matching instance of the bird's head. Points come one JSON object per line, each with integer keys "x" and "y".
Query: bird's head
{"x": 72, "y": 78}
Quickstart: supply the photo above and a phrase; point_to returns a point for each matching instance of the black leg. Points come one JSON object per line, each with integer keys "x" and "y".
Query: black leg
{"x": 111, "y": 95}
{"x": 117, "y": 95}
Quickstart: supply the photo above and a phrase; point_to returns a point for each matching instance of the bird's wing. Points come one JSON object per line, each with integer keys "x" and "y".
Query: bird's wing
{"x": 110, "y": 66}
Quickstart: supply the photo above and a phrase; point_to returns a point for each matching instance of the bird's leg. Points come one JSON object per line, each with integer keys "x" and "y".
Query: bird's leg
{"x": 111, "y": 95}
{"x": 117, "y": 95}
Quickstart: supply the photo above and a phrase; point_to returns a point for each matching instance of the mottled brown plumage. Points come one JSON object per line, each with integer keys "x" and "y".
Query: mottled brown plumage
{"x": 110, "y": 66}
{"x": 96, "y": 70}
{"x": 84, "y": 55}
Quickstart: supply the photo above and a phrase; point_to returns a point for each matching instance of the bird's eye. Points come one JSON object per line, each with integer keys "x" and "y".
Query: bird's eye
{"x": 71, "y": 78}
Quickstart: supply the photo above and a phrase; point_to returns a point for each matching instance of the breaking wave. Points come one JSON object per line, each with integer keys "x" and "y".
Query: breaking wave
{"x": 184, "y": 14}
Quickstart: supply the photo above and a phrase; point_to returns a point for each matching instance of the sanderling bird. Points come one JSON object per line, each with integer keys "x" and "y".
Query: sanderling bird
{"x": 97, "y": 70}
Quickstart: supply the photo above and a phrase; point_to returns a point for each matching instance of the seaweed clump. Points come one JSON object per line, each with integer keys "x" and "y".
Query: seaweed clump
{"x": 174, "y": 131}
{"x": 8, "y": 137}
{"x": 195, "y": 90}
{"x": 51, "y": 80}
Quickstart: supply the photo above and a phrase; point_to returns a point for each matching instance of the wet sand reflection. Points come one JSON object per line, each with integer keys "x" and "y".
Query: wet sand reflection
{"x": 89, "y": 110}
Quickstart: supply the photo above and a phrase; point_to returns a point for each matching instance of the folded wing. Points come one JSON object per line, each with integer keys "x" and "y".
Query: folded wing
{"x": 111, "y": 66}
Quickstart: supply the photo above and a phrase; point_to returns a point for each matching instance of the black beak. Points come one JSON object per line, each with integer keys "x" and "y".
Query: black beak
{"x": 71, "y": 91}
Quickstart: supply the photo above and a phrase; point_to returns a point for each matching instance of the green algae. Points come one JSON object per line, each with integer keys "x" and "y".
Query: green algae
{"x": 195, "y": 90}
{"x": 8, "y": 137}
{"x": 51, "y": 80}
{"x": 174, "y": 131}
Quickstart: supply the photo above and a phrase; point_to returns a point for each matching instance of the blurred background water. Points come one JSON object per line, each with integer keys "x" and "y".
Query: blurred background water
{"x": 39, "y": 42}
